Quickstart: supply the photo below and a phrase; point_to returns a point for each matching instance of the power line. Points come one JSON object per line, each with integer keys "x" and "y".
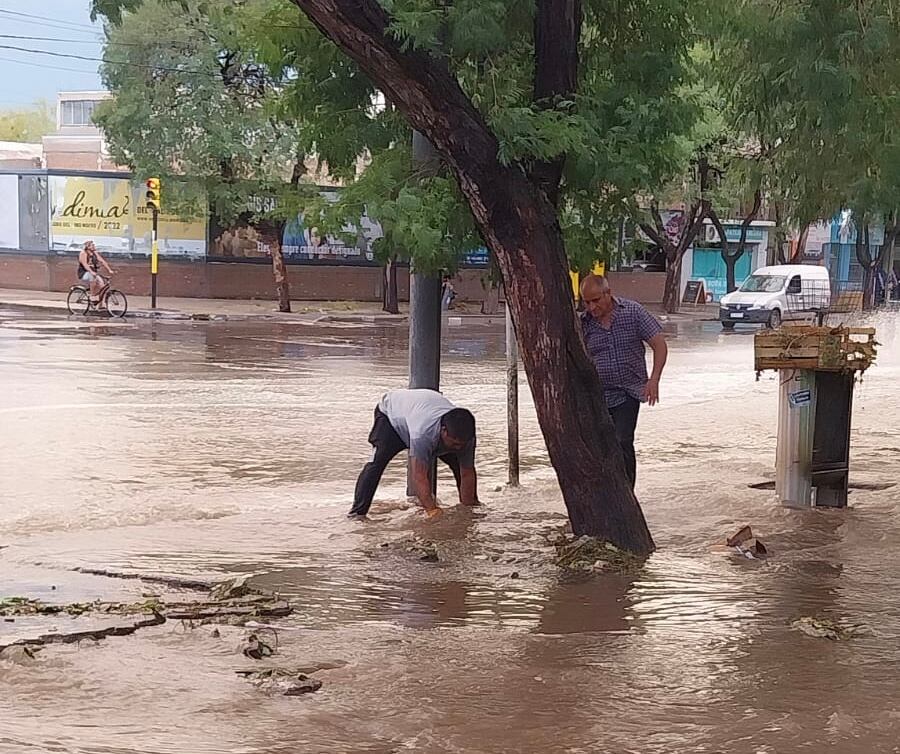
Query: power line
{"x": 60, "y": 39}
{"x": 44, "y": 65}
{"x": 51, "y": 25}
{"x": 45, "y": 19}
{"x": 159, "y": 42}
{"x": 108, "y": 62}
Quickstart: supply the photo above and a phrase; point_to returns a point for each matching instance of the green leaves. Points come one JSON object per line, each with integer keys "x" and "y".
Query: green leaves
{"x": 527, "y": 133}
{"x": 817, "y": 80}
{"x": 192, "y": 99}
{"x": 233, "y": 93}
{"x": 27, "y": 124}
{"x": 424, "y": 219}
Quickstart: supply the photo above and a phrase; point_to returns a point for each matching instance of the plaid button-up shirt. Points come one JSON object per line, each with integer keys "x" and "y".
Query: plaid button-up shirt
{"x": 619, "y": 353}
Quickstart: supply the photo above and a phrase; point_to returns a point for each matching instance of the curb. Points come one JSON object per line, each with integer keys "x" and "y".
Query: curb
{"x": 174, "y": 315}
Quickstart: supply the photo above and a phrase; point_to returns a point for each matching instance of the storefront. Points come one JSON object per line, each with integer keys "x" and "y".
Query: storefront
{"x": 705, "y": 262}
{"x": 47, "y": 215}
{"x": 55, "y": 212}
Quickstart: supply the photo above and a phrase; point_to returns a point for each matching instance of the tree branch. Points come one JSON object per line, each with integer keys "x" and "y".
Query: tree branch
{"x": 557, "y": 29}
{"x": 699, "y": 211}
{"x": 891, "y": 230}
{"x": 410, "y": 79}
{"x": 700, "y": 208}
{"x": 863, "y": 253}
{"x": 745, "y": 226}
{"x": 717, "y": 224}
{"x": 651, "y": 233}
{"x": 657, "y": 218}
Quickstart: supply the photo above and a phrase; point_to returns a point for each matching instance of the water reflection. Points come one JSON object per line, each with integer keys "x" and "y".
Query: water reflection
{"x": 223, "y": 448}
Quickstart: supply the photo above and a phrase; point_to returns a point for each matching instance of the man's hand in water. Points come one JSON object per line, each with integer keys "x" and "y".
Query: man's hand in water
{"x": 422, "y": 486}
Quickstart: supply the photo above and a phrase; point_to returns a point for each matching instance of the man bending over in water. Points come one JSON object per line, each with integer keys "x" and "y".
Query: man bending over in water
{"x": 431, "y": 427}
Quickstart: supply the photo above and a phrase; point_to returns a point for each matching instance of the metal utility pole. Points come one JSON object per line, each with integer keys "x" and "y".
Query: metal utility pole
{"x": 512, "y": 399}
{"x": 424, "y": 331}
{"x": 424, "y": 306}
{"x": 154, "y": 197}
{"x": 154, "y": 258}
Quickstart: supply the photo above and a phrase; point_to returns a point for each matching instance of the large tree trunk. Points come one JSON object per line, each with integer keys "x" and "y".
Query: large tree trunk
{"x": 491, "y": 303}
{"x": 864, "y": 257}
{"x": 519, "y": 224}
{"x": 675, "y": 250}
{"x": 389, "y": 299}
{"x": 281, "y": 281}
{"x": 731, "y": 261}
{"x": 271, "y": 232}
{"x": 672, "y": 289}
{"x": 871, "y": 265}
{"x": 730, "y": 254}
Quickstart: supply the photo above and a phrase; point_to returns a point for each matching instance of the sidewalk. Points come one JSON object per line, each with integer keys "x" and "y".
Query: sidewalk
{"x": 217, "y": 309}
{"x": 203, "y": 309}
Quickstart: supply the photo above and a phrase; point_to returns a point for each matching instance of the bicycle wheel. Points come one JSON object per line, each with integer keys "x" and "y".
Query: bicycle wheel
{"x": 79, "y": 300}
{"x": 116, "y": 303}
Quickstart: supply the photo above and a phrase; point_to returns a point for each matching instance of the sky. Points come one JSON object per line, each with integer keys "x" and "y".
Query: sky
{"x": 27, "y": 76}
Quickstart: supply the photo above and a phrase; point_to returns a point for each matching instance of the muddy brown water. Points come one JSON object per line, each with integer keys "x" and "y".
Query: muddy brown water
{"x": 211, "y": 449}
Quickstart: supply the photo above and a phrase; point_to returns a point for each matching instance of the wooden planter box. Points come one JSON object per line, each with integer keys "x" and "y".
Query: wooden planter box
{"x": 839, "y": 349}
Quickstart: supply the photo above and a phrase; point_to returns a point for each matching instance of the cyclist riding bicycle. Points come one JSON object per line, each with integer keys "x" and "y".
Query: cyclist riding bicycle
{"x": 89, "y": 261}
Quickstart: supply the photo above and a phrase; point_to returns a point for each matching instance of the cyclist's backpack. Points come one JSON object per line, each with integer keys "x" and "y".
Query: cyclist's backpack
{"x": 81, "y": 270}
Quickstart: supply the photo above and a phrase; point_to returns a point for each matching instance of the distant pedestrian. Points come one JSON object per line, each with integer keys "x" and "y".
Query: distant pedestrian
{"x": 448, "y": 293}
{"x": 430, "y": 427}
{"x": 615, "y": 331}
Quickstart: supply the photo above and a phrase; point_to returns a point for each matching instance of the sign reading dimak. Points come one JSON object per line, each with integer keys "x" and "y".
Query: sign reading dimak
{"x": 112, "y": 212}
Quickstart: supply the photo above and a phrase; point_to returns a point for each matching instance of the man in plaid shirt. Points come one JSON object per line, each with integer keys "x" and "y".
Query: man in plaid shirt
{"x": 615, "y": 331}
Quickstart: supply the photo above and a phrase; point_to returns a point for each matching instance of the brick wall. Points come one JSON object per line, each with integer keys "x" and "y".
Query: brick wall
{"x": 645, "y": 287}
{"x": 245, "y": 280}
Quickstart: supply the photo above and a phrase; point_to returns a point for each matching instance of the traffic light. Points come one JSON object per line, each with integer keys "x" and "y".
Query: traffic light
{"x": 153, "y": 194}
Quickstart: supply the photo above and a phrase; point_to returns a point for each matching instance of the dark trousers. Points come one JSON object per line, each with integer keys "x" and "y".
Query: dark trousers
{"x": 387, "y": 444}
{"x": 625, "y": 417}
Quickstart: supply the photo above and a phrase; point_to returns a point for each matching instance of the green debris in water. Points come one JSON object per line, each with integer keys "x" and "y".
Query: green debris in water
{"x": 825, "y": 628}
{"x": 590, "y": 554}
{"x": 18, "y": 606}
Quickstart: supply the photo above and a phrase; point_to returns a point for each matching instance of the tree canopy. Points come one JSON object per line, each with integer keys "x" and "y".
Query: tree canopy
{"x": 248, "y": 86}
{"x": 27, "y": 124}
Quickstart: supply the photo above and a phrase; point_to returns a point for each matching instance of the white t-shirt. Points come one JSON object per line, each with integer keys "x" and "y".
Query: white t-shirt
{"x": 416, "y": 416}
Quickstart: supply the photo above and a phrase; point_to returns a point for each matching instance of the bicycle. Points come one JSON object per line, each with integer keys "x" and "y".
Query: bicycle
{"x": 111, "y": 300}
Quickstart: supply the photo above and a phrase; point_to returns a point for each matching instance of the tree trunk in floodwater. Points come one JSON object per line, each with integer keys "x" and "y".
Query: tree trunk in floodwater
{"x": 279, "y": 268}
{"x": 390, "y": 302}
{"x": 491, "y": 303}
{"x": 518, "y": 220}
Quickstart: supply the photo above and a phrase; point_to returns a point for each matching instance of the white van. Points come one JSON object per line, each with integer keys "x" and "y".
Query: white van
{"x": 773, "y": 294}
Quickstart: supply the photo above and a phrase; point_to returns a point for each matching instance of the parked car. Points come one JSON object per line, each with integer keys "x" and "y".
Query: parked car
{"x": 774, "y": 294}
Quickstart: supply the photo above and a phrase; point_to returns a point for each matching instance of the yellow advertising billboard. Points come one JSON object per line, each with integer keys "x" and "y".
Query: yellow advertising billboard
{"x": 112, "y": 212}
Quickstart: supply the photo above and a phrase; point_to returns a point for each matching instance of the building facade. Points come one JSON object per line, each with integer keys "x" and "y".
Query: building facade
{"x": 704, "y": 260}
{"x": 77, "y": 144}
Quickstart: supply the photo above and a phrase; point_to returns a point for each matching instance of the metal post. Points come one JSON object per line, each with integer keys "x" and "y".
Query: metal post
{"x": 424, "y": 307}
{"x": 796, "y": 426}
{"x": 424, "y": 344}
{"x": 154, "y": 258}
{"x": 424, "y": 331}
{"x": 512, "y": 398}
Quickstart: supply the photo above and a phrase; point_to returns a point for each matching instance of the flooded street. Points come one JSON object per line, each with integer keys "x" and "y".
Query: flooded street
{"x": 204, "y": 450}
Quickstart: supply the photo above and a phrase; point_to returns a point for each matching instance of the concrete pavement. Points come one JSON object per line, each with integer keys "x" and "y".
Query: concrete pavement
{"x": 302, "y": 311}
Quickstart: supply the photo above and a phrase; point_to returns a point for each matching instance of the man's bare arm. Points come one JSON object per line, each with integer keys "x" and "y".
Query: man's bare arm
{"x": 468, "y": 486}
{"x": 422, "y": 484}
{"x": 660, "y": 354}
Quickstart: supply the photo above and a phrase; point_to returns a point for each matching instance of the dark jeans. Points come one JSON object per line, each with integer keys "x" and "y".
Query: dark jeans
{"x": 625, "y": 417}
{"x": 387, "y": 444}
